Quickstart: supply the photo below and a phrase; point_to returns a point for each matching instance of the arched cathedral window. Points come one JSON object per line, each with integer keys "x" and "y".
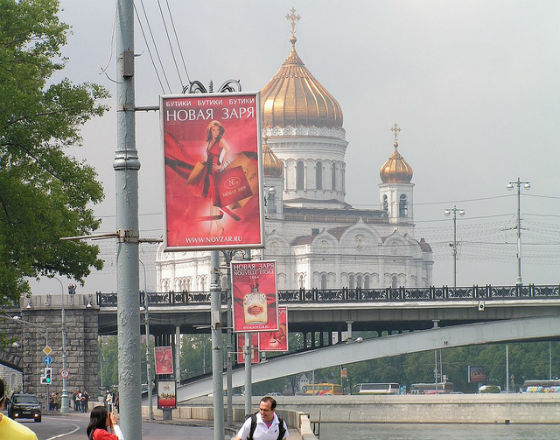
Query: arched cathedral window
{"x": 385, "y": 203}
{"x": 333, "y": 177}
{"x": 323, "y": 281}
{"x": 403, "y": 206}
{"x": 319, "y": 175}
{"x": 271, "y": 202}
{"x": 300, "y": 174}
{"x": 352, "y": 282}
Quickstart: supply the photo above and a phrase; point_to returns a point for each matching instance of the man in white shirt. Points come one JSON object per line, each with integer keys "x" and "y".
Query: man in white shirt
{"x": 265, "y": 425}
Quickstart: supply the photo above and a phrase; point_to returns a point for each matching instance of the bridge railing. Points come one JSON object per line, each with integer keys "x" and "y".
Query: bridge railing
{"x": 347, "y": 295}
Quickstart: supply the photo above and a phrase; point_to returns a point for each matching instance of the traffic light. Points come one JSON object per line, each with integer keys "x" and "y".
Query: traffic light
{"x": 46, "y": 377}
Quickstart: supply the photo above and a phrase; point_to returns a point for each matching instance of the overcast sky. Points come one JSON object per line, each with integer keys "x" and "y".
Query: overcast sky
{"x": 474, "y": 86}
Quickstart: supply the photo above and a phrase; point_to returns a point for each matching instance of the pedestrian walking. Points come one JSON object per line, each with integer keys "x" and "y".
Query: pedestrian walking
{"x": 264, "y": 425}
{"x": 75, "y": 400}
{"x": 10, "y": 429}
{"x": 103, "y": 425}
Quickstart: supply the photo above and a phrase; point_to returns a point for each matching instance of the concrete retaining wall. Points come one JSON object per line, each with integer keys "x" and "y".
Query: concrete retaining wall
{"x": 477, "y": 408}
{"x": 451, "y": 408}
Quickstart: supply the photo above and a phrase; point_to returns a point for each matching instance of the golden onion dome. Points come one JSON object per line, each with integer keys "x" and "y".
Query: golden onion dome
{"x": 272, "y": 166}
{"x": 396, "y": 170}
{"x": 293, "y": 97}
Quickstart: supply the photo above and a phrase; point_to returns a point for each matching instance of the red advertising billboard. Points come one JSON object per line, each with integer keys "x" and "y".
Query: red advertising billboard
{"x": 164, "y": 360}
{"x": 212, "y": 169}
{"x": 476, "y": 373}
{"x": 166, "y": 394}
{"x": 255, "y": 301}
{"x": 278, "y": 340}
{"x": 241, "y": 348}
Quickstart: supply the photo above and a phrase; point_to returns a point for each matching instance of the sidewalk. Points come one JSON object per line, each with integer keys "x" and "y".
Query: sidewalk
{"x": 230, "y": 431}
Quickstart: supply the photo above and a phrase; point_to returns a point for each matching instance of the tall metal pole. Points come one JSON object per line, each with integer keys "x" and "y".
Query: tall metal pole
{"x": 248, "y": 356}
{"x": 517, "y": 183}
{"x": 148, "y": 356}
{"x": 549, "y": 360}
{"x": 507, "y": 368}
{"x": 148, "y": 351}
{"x": 126, "y": 166}
{"x": 454, "y": 210}
{"x": 454, "y": 249}
{"x": 229, "y": 343}
{"x": 248, "y": 376}
{"x": 64, "y": 400}
{"x": 217, "y": 358}
{"x": 178, "y": 356}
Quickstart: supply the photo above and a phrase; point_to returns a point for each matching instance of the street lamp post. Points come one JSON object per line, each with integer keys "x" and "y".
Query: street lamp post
{"x": 517, "y": 184}
{"x": 64, "y": 401}
{"x": 454, "y": 210}
{"x": 148, "y": 357}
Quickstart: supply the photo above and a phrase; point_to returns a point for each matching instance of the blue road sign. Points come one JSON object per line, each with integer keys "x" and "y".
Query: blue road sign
{"x": 47, "y": 360}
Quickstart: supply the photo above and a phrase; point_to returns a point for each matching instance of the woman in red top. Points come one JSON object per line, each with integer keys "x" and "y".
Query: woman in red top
{"x": 101, "y": 423}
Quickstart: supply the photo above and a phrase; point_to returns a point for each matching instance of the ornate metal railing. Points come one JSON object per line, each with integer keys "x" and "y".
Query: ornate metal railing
{"x": 346, "y": 295}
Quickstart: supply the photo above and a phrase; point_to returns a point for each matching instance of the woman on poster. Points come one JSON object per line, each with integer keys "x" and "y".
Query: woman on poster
{"x": 218, "y": 154}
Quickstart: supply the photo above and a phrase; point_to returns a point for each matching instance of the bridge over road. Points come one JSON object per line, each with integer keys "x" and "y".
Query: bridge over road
{"x": 317, "y": 312}
{"x": 546, "y": 327}
{"x": 331, "y": 311}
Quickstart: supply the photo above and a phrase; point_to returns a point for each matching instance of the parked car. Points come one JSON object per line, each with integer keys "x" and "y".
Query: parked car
{"x": 24, "y": 406}
{"x": 489, "y": 389}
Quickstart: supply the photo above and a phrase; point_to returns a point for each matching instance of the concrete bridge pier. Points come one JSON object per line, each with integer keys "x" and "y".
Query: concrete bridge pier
{"x": 40, "y": 326}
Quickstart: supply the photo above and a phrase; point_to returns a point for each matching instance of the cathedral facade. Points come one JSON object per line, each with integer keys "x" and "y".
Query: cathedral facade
{"x": 316, "y": 238}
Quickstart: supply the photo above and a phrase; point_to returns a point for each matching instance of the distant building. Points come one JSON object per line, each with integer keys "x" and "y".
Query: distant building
{"x": 317, "y": 239}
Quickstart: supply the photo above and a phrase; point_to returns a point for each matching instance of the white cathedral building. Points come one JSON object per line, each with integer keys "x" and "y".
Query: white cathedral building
{"x": 316, "y": 238}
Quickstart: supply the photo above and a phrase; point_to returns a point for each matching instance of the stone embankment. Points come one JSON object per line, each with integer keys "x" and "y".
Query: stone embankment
{"x": 444, "y": 408}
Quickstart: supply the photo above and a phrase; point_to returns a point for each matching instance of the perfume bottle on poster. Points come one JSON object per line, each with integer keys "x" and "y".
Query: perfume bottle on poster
{"x": 255, "y": 306}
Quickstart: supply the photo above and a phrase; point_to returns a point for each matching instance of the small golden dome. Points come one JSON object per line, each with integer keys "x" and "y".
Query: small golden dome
{"x": 293, "y": 97}
{"x": 396, "y": 170}
{"x": 272, "y": 166}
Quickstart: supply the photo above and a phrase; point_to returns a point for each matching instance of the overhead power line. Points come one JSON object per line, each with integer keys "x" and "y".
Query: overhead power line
{"x": 155, "y": 46}
{"x": 178, "y": 42}
{"x": 170, "y": 46}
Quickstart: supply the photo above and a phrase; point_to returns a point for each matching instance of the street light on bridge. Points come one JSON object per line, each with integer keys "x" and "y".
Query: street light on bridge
{"x": 64, "y": 400}
{"x": 448, "y": 212}
{"x": 527, "y": 185}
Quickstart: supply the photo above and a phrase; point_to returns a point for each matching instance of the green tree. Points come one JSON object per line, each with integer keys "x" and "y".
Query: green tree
{"x": 108, "y": 362}
{"x": 44, "y": 193}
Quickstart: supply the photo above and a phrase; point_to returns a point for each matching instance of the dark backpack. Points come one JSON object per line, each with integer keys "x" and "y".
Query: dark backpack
{"x": 281, "y": 429}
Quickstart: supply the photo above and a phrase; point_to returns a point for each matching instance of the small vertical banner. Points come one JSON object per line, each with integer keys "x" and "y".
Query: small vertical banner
{"x": 241, "y": 348}
{"x": 278, "y": 340}
{"x": 212, "y": 171}
{"x": 164, "y": 360}
{"x": 166, "y": 394}
{"x": 255, "y": 299}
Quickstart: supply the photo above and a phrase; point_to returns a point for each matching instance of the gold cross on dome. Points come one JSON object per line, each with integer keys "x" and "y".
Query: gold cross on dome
{"x": 293, "y": 18}
{"x": 395, "y": 131}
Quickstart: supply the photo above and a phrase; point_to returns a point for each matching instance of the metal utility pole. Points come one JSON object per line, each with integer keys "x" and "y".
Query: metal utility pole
{"x": 248, "y": 374}
{"x": 126, "y": 166}
{"x": 454, "y": 210}
{"x": 217, "y": 358}
{"x": 507, "y": 368}
{"x": 148, "y": 351}
{"x": 148, "y": 356}
{"x": 517, "y": 184}
{"x": 229, "y": 342}
{"x": 64, "y": 400}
